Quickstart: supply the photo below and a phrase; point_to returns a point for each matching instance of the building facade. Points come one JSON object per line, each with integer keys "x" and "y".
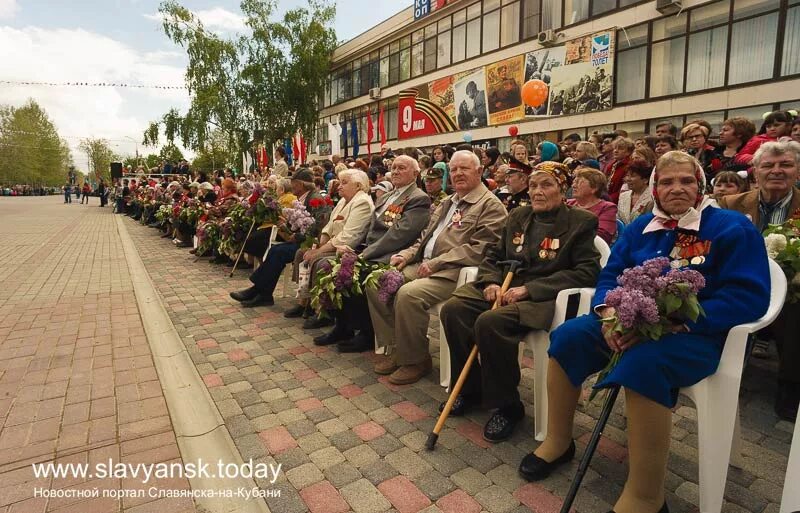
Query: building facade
{"x": 702, "y": 59}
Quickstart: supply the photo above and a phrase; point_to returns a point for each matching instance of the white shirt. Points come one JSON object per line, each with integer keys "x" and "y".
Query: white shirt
{"x": 444, "y": 221}
{"x": 392, "y": 196}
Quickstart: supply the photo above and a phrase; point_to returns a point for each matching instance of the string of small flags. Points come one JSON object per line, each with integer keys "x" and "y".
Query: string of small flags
{"x": 87, "y": 84}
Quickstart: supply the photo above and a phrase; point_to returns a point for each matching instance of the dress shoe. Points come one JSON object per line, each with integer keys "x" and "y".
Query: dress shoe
{"x": 316, "y": 322}
{"x": 357, "y": 344}
{"x": 664, "y": 509}
{"x": 408, "y": 374}
{"x": 384, "y": 365}
{"x": 193, "y": 251}
{"x": 332, "y": 337}
{"x": 787, "y": 400}
{"x": 244, "y": 295}
{"x": 294, "y": 312}
{"x": 259, "y": 300}
{"x": 534, "y": 468}
{"x": 500, "y": 426}
{"x": 168, "y": 234}
{"x": 460, "y": 406}
{"x": 244, "y": 265}
{"x": 220, "y": 259}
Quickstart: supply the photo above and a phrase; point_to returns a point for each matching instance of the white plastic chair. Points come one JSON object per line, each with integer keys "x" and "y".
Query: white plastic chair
{"x": 716, "y": 398}
{"x": 539, "y": 342}
{"x": 790, "y": 501}
{"x": 467, "y": 274}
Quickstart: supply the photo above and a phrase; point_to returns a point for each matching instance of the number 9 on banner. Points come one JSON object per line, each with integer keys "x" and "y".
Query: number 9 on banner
{"x": 407, "y": 118}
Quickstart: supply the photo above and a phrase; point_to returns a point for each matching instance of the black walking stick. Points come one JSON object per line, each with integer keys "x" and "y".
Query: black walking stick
{"x": 434, "y": 436}
{"x": 608, "y": 405}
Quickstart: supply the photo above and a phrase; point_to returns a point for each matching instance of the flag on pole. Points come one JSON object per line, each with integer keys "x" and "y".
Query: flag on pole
{"x": 354, "y": 129}
{"x": 299, "y": 147}
{"x": 344, "y": 138}
{"x": 382, "y": 127}
{"x": 335, "y": 134}
{"x": 370, "y": 132}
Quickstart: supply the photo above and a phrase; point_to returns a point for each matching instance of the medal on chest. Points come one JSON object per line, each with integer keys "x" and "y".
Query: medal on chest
{"x": 392, "y": 214}
{"x": 518, "y": 241}
{"x": 688, "y": 250}
{"x": 456, "y": 219}
{"x": 548, "y": 248}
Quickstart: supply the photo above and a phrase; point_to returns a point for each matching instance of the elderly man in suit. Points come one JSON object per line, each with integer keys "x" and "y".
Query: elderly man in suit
{"x": 460, "y": 230}
{"x": 777, "y": 199}
{"x": 554, "y": 244}
{"x": 400, "y": 217}
{"x": 266, "y": 277}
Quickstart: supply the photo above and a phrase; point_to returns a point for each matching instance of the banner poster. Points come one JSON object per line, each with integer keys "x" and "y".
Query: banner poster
{"x": 584, "y": 82}
{"x": 539, "y": 65}
{"x": 470, "y": 100}
{"x": 503, "y": 82}
{"x": 419, "y": 115}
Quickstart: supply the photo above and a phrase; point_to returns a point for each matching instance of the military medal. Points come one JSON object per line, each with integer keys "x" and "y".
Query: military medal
{"x": 456, "y": 219}
{"x": 518, "y": 239}
{"x": 689, "y": 249}
{"x": 548, "y": 248}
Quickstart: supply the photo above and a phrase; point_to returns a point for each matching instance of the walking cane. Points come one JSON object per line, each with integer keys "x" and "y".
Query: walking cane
{"x": 434, "y": 436}
{"x": 242, "y": 250}
{"x": 608, "y": 405}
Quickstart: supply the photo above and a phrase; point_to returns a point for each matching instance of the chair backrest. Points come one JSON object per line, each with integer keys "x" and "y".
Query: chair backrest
{"x": 604, "y": 250}
{"x": 777, "y": 293}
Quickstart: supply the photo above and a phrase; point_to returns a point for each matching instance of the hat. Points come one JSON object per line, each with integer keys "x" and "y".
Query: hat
{"x": 206, "y": 186}
{"x": 517, "y": 166}
{"x": 556, "y": 169}
{"x": 383, "y": 186}
{"x": 436, "y": 172}
{"x": 194, "y": 184}
{"x": 174, "y": 184}
{"x": 549, "y": 151}
{"x": 304, "y": 175}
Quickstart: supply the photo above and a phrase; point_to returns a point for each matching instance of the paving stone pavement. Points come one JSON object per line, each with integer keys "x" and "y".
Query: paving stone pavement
{"x": 349, "y": 441}
{"x": 77, "y": 380}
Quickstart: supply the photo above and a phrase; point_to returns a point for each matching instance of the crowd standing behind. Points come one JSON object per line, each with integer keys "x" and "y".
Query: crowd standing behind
{"x": 430, "y": 215}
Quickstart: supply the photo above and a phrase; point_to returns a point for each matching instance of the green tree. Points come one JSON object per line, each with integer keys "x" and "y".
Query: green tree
{"x": 171, "y": 153}
{"x": 264, "y": 83}
{"x": 31, "y": 151}
{"x": 100, "y": 157}
{"x": 216, "y": 154}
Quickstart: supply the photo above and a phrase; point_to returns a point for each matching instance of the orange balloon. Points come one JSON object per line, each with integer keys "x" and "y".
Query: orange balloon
{"x": 534, "y": 93}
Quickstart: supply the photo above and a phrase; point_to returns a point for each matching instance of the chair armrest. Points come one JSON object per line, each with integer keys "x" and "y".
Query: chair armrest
{"x": 467, "y": 275}
{"x": 560, "y": 314}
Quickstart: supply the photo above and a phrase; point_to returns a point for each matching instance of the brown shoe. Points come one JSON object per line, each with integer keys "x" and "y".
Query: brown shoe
{"x": 408, "y": 374}
{"x": 384, "y": 365}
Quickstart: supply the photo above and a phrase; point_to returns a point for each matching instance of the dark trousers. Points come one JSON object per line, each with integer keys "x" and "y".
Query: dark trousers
{"x": 354, "y": 316}
{"x": 498, "y": 334}
{"x": 266, "y": 277}
{"x": 785, "y": 330}
{"x": 256, "y": 245}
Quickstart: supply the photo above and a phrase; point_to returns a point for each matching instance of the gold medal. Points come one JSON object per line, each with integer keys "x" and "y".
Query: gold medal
{"x": 519, "y": 249}
{"x": 543, "y": 254}
{"x": 551, "y": 255}
{"x": 698, "y": 260}
{"x": 516, "y": 240}
{"x": 675, "y": 264}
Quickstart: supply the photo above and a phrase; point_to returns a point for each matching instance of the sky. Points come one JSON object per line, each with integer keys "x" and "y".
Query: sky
{"x": 121, "y": 41}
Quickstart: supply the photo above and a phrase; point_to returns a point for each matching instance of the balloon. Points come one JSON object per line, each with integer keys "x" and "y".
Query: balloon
{"x": 534, "y": 93}
{"x": 467, "y": 137}
{"x": 513, "y": 130}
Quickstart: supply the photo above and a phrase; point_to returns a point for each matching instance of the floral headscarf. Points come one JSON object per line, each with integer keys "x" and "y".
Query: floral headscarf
{"x": 689, "y": 220}
{"x": 556, "y": 169}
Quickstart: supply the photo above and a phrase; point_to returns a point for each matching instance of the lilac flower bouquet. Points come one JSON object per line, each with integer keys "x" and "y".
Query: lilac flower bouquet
{"x": 651, "y": 299}
{"x": 297, "y": 219}
{"x": 387, "y": 280}
{"x": 336, "y": 281}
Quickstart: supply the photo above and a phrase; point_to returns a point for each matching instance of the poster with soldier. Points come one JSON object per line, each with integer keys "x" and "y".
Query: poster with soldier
{"x": 503, "y": 83}
{"x": 539, "y": 65}
{"x": 584, "y": 83}
{"x": 470, "y": 100}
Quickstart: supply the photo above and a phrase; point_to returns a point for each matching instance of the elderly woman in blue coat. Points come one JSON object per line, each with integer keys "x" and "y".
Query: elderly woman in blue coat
{"x": 737, "y": 290}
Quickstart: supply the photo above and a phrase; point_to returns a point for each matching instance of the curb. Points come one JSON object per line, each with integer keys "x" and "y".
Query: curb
{"x": 199, "y": 427}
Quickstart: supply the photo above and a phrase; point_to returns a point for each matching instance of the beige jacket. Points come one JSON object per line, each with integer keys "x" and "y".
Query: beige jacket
{"x": 463, "y": 244}
{"x": 280, "y": 168}
{"x": 349, "y": 222}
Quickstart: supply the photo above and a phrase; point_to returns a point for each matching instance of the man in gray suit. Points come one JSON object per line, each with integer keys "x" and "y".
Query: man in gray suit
{"x": 458, "y": 234}
{"x": 399, "y": 218}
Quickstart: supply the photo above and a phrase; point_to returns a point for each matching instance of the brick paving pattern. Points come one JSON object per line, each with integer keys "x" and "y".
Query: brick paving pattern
{"x": 77, "y": 381}
{"x": 342, "y": 433}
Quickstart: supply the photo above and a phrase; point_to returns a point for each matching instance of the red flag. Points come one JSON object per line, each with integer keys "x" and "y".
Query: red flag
{"x": 381, "y": 127}
{"x": 299, "y": 147}
{"x": 370, "y": 132}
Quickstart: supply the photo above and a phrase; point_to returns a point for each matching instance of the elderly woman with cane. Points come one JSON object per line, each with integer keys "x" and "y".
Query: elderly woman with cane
{"x": 729, "y": 252}
{"x": 554, "y": 245}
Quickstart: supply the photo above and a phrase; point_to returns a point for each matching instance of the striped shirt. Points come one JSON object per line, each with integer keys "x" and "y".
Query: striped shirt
{"x": 774, "y": 213}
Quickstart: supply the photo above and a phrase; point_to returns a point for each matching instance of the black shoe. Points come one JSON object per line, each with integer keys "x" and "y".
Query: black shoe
{"x": 259, "y": 300}
{"x": 220, "y": 259}
{"x": 332, "y": 337}
{"x": 664, "y": 509}
{"x": 460, "y": 406}
{"x": 317, "y": 322}
{"x": 357, "y": 344}
{"x": 295, "y": 312}
{"x": 245, "y": 295}
{"x": 244, "y": 265}
{"x": 534, "y": 468}
{"x": 787, "y": 400}
{"x": 168, "y": 234}
{"x": 500, "y": 426}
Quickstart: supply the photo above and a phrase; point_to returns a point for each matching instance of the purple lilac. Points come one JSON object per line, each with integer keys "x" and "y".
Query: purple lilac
{"x": 668, "y": 283}
{"x": 633, "y": 307}
{"x": 388, "y": 285}
{"x": 325, "y": 266}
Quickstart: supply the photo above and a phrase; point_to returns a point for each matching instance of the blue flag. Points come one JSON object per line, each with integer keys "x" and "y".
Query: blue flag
{"x": 354, "y": 129}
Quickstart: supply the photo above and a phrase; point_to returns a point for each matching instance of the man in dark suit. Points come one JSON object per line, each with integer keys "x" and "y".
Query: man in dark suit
{"x": 516, "y": 190}
{"x": 777, "y": 199}
{"x": 399, "y": 218}
{"x": 266, "y": 277}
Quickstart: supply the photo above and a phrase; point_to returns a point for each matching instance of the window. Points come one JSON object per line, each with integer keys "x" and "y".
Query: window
{"x": 394, "y": 68}
{"x": 631, "y": 63}
{"x": 791, "y": 43}
{"x": 635, "y": 129}
{"x": 530, "y": 18}
{"x": 443, "y": 49}
{"x": 491, "y": 31}
{"x": 430, "y": 55}
{"x": 391, "y": 122}
{"x": 416, "y": 60}
{"x": 714, "y": 119}
{"x": 752, "y": 113}
{"x": 459, "y": 43}
{"x": 576, "y": 11}
{"x": 384, "y": 72}
{"x": 405, "y": 64}
{"x": 706, "y": 66}
{"x": 666, "y": 72}
{"x": 509, "y": 24}
{"x": 601, "y": 6}
{"x": 551, "y": 14}
{"x": 473, "y": 38}
{"x": 356, "y": 82}
{"x": 753, "y": 44}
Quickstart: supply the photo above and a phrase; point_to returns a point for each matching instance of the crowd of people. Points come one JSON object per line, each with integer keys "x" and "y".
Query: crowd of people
{"x": 700, "y": 199}
{"x": 28, "y": 190}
